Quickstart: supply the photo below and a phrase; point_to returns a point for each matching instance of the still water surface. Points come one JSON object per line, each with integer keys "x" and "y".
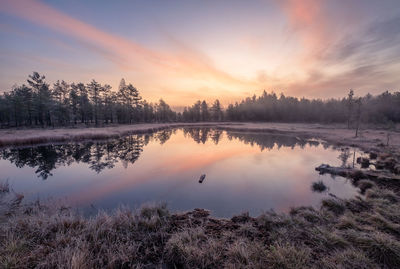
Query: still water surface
{"x": 251, "y": 172}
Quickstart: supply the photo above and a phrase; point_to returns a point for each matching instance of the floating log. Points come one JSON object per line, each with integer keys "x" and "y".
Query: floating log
{"x": 356, "y": 173}
{"x": 202, "y": 177}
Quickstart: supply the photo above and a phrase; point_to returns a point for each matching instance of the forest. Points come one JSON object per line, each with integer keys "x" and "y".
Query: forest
{"x": 39, "y": 104}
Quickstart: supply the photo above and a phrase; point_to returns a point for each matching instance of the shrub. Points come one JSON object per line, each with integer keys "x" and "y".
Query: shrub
{"x": 318, "y": 186}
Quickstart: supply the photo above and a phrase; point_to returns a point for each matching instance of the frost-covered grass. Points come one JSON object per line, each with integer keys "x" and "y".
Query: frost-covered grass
{"x": 42, "y": 136}
{"x": 363, "y": 232}
{"x": 332, "y": 133}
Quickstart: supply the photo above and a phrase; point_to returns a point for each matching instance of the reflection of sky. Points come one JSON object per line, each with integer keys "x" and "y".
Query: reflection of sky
{"x": 240, "y": 177}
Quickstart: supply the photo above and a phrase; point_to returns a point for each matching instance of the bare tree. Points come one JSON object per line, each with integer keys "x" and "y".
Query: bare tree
{"x": 358, "y": 103}
{"x": 350, "y": 102}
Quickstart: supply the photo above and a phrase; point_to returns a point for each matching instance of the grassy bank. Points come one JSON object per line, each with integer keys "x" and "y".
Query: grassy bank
{"x": 363, "y": 232}
{"x": 18, "y": 137}
{"x": 334, "y": 134}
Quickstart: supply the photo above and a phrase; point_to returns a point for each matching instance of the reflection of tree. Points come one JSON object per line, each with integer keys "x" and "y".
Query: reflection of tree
{"x": 268, "y": 141}
{"x": 344, "y": 156}
{"x": 263, "y": 140}
{"x": 98, "y": 156}
{"x": 216, "y": 135}
{"x": 44, "y": 158}
{"x": 164, "y": 135}
{"x": 201, "y": 135}
{"x": 105, "y": 154}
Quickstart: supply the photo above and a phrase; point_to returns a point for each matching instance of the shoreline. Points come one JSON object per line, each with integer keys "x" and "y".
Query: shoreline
{"x": 360, "y": 232}
{"x": 335, "y": 134}
{"x": 351, "y": 233}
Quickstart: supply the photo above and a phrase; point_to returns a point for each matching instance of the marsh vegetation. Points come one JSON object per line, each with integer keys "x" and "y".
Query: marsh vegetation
{"x": 362, "y": 232}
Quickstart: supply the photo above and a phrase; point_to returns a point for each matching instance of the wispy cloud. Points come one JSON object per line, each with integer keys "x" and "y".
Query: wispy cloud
{"x": 309, "y": 21}
{"x": 328, "y": 49}
{"x": 124, "y": 52}
{"x": 362, "y": 57}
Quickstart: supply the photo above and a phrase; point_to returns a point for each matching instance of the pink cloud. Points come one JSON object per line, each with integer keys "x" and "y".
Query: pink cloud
{"x": 123, "y": 52}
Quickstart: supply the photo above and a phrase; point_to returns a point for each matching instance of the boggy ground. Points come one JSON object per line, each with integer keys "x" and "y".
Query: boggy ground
{"x": 362, "y": 232}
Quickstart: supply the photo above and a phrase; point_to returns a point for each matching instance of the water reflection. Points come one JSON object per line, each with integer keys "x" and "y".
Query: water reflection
{"x": 244, "y": 171}
{"x": 98, "y": 155}
{"x": 105, "y": 154}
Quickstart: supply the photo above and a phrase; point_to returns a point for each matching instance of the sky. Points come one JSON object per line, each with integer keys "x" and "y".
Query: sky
{"x": 187, "y": 50}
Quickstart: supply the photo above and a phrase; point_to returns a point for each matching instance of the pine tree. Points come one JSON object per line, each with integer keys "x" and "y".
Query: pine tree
{"x": 95, "y": 92}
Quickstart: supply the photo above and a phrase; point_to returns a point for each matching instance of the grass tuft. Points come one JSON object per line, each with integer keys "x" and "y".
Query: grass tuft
{"x": 334, "y": 205}
{"x": 381, "y": 247}
{"x": 318, "y": 186}
{"x": 192, "y": 248}
{"x": 349, "y": 258}
{"x": 288, "y": 256}
{"x": 4, "y": 187}
{"x": 365, "y": 184}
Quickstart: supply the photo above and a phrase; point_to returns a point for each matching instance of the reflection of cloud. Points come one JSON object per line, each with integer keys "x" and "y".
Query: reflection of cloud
{"x": 179, "y": 163}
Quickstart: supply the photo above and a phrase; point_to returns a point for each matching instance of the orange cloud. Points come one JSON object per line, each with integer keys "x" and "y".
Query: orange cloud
{"x": 308, "y": 19}
{"x": 125, "y": 53}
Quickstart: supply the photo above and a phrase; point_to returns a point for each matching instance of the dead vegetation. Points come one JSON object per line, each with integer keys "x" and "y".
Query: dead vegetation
{"x": 59, "y": 135}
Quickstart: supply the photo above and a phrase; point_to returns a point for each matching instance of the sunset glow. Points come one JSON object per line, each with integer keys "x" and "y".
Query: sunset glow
{"x": 188, "y": 50}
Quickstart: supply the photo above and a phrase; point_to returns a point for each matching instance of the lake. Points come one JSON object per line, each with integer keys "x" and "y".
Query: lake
{"x": 252, "y": 172}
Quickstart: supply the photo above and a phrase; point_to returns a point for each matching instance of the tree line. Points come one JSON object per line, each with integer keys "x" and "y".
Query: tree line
{"x": 383, "y": 108}
{"x": 62, "y": 104}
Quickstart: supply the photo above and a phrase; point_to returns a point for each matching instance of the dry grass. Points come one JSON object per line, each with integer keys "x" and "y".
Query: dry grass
{"x": 365, "y": 185}
{"x": 342, "y": 234}
{"x": 46, "y": 136}
{"x": 4, "y": 187}
{"x": 332, "y": 133}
